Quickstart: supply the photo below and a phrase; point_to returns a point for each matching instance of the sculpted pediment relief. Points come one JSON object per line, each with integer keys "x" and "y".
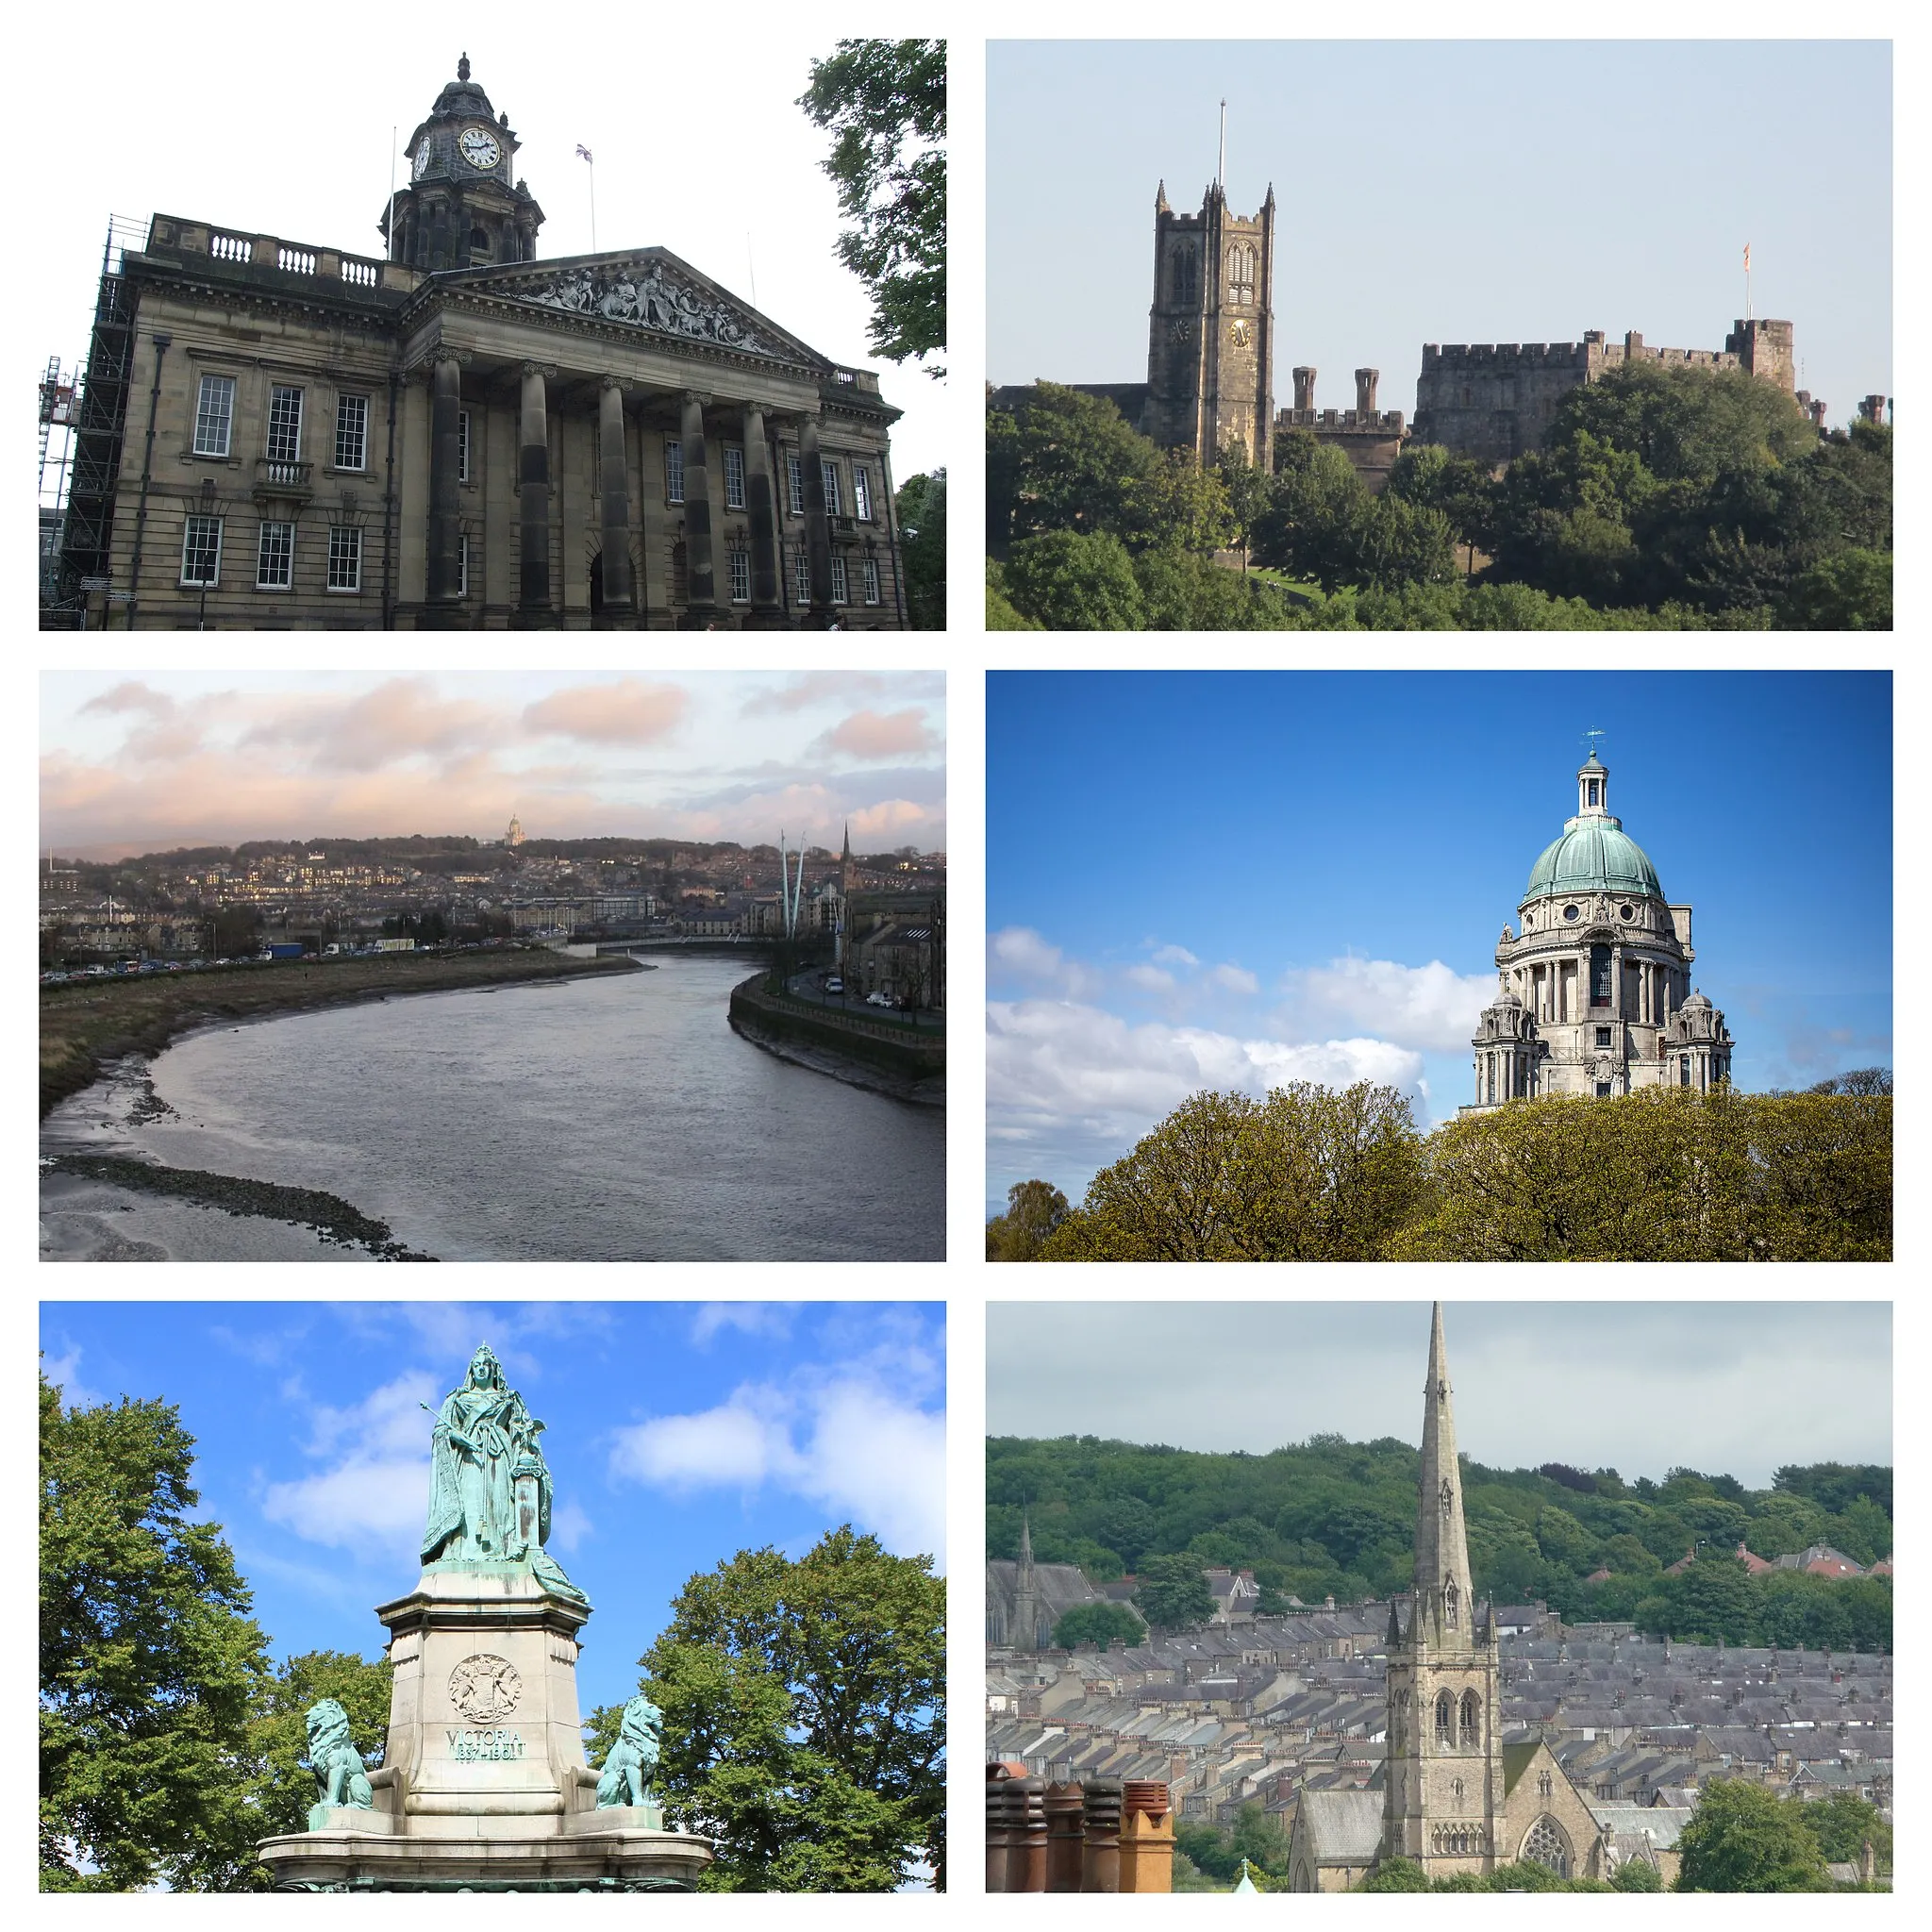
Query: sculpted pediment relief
{"x": 651, "y": 291}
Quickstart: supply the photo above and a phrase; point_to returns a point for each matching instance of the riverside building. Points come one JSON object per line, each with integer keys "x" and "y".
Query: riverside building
{"x": 460, "y": 434}
{"x": 1595, "y": 993}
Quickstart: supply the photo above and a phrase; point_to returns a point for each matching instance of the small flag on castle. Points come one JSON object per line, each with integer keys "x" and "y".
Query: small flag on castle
{"x": 585, "y": 154}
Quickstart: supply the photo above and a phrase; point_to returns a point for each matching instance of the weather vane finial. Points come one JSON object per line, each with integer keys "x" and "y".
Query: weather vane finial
{"x": 1589, "y": 739}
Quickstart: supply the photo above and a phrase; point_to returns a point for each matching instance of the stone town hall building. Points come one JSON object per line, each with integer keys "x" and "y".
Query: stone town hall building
{"x": 1595, "y": 989}
{"x": 277, "y": 435}
{"x": 1455, "y": 1797}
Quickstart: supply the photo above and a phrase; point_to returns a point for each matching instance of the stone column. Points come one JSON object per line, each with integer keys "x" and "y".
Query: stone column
{"x": 533, "y": 500}
{"x": 818, "y": 532}
{"x": 445, "y": 520}
{"x": 761, "y": 492}
{"x": 614, "y": 496}
{"x": 1616, "y": 982}
{"x": 700, "y": 569}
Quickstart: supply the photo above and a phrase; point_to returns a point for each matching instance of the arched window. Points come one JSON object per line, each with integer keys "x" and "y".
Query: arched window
{"x": 1453, "y": 1604}
{"x": 1241, "y": 274}
{"x": 1546, "y": 1845}
{"x": 1472, "y": 1719}
{"x": 1187, "y": 281}
{"x": 1455, "y": 1791}
{"x": 1445, "y": 1718}
{"x": 479, "y": 246}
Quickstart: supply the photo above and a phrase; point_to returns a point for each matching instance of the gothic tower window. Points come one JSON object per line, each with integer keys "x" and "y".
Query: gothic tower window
{"x": 1445, "y": 1718}
{"x": 1456, "y": 1789}
{"x": 1452, "y": 1604}
{"x": 1472, "y": 1719}
{"x": 1241, "y": 274}
{"x": 1186, "y": 279}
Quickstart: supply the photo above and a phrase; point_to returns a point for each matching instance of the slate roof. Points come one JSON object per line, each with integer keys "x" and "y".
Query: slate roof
{"x": 1342, "y": 1828}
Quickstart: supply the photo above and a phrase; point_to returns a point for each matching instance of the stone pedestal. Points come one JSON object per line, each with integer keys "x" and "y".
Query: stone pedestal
{"x": 484, "y": 1784}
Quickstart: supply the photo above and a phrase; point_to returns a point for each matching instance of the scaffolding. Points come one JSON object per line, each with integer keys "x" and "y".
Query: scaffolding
{"x": 90, "y": 459}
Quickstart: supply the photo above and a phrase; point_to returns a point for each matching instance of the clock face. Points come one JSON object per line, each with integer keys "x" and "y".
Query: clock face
{"x": 480, "y": 149}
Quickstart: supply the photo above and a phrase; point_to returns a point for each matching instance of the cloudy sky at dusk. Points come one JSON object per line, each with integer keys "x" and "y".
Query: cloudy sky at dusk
{"x": 1301, "y": 875}
{"x": 140, "y": 760}
{"x": 1736, "y": 1387}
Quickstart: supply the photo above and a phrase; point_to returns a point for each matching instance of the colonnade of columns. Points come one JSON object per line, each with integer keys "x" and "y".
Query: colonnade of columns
{"x": 535, "y": 603}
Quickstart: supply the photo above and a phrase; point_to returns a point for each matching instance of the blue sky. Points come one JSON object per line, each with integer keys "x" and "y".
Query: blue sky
{"x": 1237, "y": 879}
{"x": 1449, "y": 191}
{"x": 1730, "y": 1388}
{"x": 679, "y": 1433}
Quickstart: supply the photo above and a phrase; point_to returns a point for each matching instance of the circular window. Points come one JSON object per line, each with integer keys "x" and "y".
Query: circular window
{"x": 1626, "y": 913}
{"x": 1568, "y": 912}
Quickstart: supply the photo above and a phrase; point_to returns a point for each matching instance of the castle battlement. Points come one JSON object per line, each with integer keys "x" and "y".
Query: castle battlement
{"x": 1365, "y": 422}
{"x": 1540, "y": 355}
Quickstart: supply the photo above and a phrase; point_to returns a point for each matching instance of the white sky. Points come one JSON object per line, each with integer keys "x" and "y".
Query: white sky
{"x": 1736, "y": 1387}
{"x": 278, "y": 121}
{"x": 142, "y": 761}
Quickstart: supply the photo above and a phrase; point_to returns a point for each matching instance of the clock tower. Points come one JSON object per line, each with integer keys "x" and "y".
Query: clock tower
{"x": 462, "y": 207}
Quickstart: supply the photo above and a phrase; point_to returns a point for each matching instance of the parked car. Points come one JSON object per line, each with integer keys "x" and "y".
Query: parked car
{"x": 834, "y": 984}
{"x": 879, "y": 999}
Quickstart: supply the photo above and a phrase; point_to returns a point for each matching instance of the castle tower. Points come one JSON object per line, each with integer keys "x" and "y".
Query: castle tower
{"x": 1764, "y": 349}
{"x": 1211, "y": 338}
{"x": 1025, "y": 1634}
{"x": 1445, "y": 1789}
{"x": 1593, "y": 990}
{"x": 462, "y": 207}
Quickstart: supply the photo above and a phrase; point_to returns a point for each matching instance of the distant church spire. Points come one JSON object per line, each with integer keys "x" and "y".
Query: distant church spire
{"x": 1442, "y": 1592}
{"x": 1025, "y": 1592}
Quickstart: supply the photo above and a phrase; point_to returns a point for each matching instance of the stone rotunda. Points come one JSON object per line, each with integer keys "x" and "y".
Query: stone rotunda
{"x": 1595, "y": 994}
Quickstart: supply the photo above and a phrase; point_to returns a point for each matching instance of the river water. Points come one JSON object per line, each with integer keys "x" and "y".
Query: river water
{"x": 596, "y": 1120}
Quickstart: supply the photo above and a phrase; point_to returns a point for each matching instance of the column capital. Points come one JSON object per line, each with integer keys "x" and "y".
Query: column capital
{"x": 622, "y": 383}
{"x": 702, "y": 398}
{"x": 543, "y": 369}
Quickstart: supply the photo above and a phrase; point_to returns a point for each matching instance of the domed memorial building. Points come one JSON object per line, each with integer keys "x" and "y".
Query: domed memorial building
{"x": 1595, "y": 989}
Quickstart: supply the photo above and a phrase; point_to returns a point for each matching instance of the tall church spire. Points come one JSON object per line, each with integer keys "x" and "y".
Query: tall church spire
{"x": 1026, "y": 1634}
{"x": 1442, "y": 1592}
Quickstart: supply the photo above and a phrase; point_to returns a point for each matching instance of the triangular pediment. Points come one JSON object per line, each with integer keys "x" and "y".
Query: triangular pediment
{"x": 648, "y": 290}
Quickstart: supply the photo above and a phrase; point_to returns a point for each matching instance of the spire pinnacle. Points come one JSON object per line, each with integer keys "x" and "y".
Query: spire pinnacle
{"x": 1025, "y": 1539}
{"x": 1443, "y": 1590}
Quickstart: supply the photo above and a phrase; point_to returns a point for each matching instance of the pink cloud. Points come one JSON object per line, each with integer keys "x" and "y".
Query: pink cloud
{"x": 881, "y": 735}
{"x": 402, "y": 717}
{"x": 627, "y": 712}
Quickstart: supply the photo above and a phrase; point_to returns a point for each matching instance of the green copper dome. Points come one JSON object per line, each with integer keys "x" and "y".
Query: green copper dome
{"x": 1594, "y": 855}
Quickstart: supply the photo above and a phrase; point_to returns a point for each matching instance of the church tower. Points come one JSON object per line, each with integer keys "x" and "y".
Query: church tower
{"x": 1444, "y": 1791}
{"x": 462, "y": 208}
{"x": 1026, "y": 1631}
{"x": 1211, "y": 338}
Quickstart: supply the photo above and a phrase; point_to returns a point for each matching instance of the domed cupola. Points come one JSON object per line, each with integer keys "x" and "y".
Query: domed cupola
{"x": 1595, "y": 854}
{"x": 462, "y": 207}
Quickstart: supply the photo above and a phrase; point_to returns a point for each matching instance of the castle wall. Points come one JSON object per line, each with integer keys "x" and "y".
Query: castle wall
{"x": 1370, "y": 440}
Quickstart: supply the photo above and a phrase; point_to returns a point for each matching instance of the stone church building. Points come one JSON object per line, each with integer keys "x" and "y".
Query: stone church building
{"x": 1025, "y": 1599}
{"x": 1595, "y": 994}
{"x": 279, "y": 435}
{"x": 1455, "y": 1797}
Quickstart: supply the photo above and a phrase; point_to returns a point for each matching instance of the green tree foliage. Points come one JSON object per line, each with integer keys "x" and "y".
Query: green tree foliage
{"x": 1034, "y": 1210}
{"x": 1396, "y": 1875}
{"x": 150, "y": 1663}
{"x": 1637, "y": 1874}
{"x": 1308, "y": 1173}
{"x": 1098, "y": 1623}
{"x": 1329, "y": 1516}
{"x": 804, "y": 1717}
{"x": 1067, "y": 581}
{"x": 1064, "y": 464}
{"x": 885, "y": 104}
{"x": 921, "y": 508}
{"x": 1843, "y": 1825}
{"x": 1217, "y": 1851}
{"x": 1000, "y": 613}
{"x": 278, "y": 1729}
{"x": 1744, "y": 1839}
{"x": 1172, "y": 1594}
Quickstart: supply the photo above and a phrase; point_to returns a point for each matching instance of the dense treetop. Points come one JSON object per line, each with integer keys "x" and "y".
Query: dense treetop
{"x": 1331, "y": 1517}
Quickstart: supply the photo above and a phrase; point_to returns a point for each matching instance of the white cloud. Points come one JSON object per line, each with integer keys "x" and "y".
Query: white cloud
{"x": 568, "y": 1526}
{"x": 1234, "y": 979}
{"x": 64, "y": 1371}
{"x": 1173, "y": 955}
{"x": 1150, "y": 979}
{"x": 851, "y": 1445}
{"x": 1430, "y": 1007}
{"x": 1018, "y": 950}
{"x": 378, "y": 1488}
{"x": 746, "y": 1318}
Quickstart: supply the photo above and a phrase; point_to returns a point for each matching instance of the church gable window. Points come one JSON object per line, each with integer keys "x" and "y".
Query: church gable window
{"x": 274, "y": 562}
{"x": 673, "y": 471}
{"x": 345, "y": 557}
{"x": 352, "y": 432}
{"x": 201, "y": 551}
{"x": 734, "y": 478}
{"x": 284, "y": 424}
{"x": 1546, "y": 1845}
{"x": 214, "y": 415}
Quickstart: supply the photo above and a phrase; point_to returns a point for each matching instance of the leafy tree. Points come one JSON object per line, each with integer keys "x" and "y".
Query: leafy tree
{"x": 1180, "y": 504}
{"x": 1034, "y": 1210}
{"x": 1308, "y": 1173}
{"x": 1172, "y": 1594}
{"x": 1063, "y": 462}
{"x": 885, "y": 103}
{"x": 1065, "y": 581}
{"x": 279, "y": 1730}
{"x": 1129, "y": 1526}
{"x": 1396, "y": 1875}
{"x": 1248, "y": 490}
{"x": 1000, "y": 614}
{"x": 1098, "y": 1623}
{"x": 804, "y": 1717}
{"x": 1843, "y": 1825}
{"x": 921, "y": 514}
{"x": 1637, "y": 1874}
{"x": 149, "y": 1661}
{"x": 1851, "y": 591}
{"x": 1744, "y": 1839}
